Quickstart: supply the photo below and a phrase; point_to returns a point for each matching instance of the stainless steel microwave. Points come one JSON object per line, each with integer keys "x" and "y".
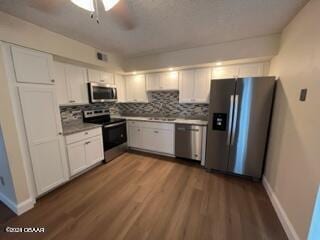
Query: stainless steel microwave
{"x": 101, "y": 92}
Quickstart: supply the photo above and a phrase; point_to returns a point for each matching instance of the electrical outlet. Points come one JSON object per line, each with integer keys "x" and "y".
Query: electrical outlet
{"x": 2, "y": 181}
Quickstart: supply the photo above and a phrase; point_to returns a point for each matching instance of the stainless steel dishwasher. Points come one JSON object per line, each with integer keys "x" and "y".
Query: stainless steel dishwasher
{"x": 188, "y": 141}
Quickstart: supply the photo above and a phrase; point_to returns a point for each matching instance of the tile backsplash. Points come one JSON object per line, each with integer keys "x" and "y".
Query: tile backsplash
{"x": 160, "y": 103}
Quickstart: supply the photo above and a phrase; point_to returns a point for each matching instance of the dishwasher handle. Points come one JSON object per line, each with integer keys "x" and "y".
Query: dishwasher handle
{"x": 188, "y": 129}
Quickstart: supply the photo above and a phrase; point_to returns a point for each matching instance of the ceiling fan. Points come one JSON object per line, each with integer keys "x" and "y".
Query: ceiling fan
{"x": 118, "y": 9}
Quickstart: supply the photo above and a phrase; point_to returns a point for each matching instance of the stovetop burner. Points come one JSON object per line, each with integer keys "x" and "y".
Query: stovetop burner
{"x": 100, "y": 116}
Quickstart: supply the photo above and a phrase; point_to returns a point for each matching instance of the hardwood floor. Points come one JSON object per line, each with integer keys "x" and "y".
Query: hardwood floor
{"x": 150, "y": 197}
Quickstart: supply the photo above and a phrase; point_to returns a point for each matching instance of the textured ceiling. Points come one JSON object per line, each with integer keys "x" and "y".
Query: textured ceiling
{"x": 164, "y": 25}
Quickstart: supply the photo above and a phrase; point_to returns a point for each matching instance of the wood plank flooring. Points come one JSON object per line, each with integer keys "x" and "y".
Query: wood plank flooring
{"x": 139, "y": 196}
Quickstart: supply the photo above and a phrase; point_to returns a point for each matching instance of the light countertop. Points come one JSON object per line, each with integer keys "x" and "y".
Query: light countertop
{"x": 77, "y": 126}
{"x": 177, "y": 120}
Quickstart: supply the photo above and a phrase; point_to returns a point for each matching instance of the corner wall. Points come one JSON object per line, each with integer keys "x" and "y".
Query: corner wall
{"x": 293, "y": 160}
{"x": 7, "y": 193}
{"x": 20, "y": 32}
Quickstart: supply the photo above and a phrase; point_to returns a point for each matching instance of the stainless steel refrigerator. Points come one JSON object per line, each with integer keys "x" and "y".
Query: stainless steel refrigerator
{"x": 239, "y": 117}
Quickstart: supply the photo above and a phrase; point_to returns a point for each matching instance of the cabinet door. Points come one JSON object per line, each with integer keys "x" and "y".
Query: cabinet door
{"x": 149, "y": 141}
{"x": 225, "y": 72}
{"x": 251, "y": 70}
{"x": 32, "y": 66}
{"x": 77, "y": 84}
{"x": 202, "y": 85}
{"x": 42, "y": 123}
{"x": 107, "y": 77}
{"x": 153, "y": 81}
{"x": 77, "y": 157}
{"x": 61, "y": 83}
{"x": 94, "y": 75}
{"x": 121, "y": 88}
{"x": 164, "y": 141}
{"x": 136, "y": 88}
{"x": 135, "y": 137}
{"x": 169, "y": 81}
{"x": 130, "y": 94}
{"x": 94, "y": 150}
{"x": 186, "y": 86}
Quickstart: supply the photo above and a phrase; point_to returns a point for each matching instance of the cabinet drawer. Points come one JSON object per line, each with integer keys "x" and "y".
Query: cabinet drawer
{"x": 83, "y": 135}
{"x": 134, "y": 123}
{"x": 157, "y": 125}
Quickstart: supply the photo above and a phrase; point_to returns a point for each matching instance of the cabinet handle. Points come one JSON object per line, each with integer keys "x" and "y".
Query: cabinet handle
{"x": 155, "y": 131}
{"x": 72, "y": 101}
{"x": 87, "y": 143}
{"x": 60, "y": 133}
{"x": 86, "y": 133}
{"x": 52, "y": 80}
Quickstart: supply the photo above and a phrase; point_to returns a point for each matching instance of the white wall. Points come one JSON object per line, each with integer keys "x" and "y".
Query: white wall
{"x": 266, "y": 46}
{"x": 293, "y": 161}
{"x": 20, "y": 32}
{"x": 7, "y": 190}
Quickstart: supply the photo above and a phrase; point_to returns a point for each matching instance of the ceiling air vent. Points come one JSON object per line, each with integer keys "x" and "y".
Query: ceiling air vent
{"x": 102, "y": 56}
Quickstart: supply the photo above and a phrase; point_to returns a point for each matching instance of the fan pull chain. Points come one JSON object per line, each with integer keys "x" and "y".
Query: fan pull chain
{"x": 97, "y": 11}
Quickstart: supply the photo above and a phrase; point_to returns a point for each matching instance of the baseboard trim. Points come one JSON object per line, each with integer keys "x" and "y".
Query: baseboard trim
{"x": 25, "y": 206}
{"x": 286, "y": 224}
{"x": 8, "y": 202}
{"x": 21, "y": 207}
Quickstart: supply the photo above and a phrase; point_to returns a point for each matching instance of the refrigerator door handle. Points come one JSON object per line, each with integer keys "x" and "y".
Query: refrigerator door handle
{"x": 236, "y": 104}
{"x": 230, "y": 118}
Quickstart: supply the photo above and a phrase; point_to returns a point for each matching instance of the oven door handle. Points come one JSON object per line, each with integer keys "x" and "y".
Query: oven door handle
{"x": 114, "y": 125}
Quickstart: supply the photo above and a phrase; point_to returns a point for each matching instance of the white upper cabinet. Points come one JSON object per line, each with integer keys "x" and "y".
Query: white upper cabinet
{"x": 169, "y": 81}
{"x": 107, "y": 77}
{"x": 100, "y": 76}
{"x": 153, "y": 81}
{"x": 93, "y": 75}
{"x": 77, "y": 84}
{"x": 27, "y": 62}
{"x": 202, "y": 78}
{"x": 243, "y": 70}
{"x": 194, "y": 85}
{"x": 165, "y": 81}
{"x": 71, "y": 84}
{"x": 251, "y": 70}
{"x": 186, "y": 84}
{"x": 121, "y": 87}
{"x": 136, "y": 88}
{"x": 225, "y": 72}
{"x": 61, "y": 83}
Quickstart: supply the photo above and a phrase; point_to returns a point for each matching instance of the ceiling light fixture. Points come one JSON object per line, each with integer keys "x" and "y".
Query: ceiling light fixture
{"x": 92, "y": 6}
{"x": 170, "y": 69}
{"x": 108, "y": 4}
{"x": 218, "y": 63}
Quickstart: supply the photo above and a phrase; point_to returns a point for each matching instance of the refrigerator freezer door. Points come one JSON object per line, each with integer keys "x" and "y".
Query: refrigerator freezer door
{"x": 253, "y": 103}
{"x": 220, "y": 123}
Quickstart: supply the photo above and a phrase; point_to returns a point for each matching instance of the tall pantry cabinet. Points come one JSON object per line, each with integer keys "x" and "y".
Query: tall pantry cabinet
{"x": 40, "y": 112}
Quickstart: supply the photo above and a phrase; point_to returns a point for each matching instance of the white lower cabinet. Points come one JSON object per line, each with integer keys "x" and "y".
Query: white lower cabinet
{"x": 84, "y": 150}
{"x": 151, "y": 136}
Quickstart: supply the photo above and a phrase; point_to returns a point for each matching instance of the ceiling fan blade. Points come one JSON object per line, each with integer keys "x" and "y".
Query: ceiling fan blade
{"x": 47, "y": 5}
{"x": 122, "y": 15}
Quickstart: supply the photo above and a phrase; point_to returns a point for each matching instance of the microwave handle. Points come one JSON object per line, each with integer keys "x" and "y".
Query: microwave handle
{"x": 114, "y": 93}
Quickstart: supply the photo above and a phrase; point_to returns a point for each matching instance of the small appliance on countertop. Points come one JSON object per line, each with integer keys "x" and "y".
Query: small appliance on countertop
{"x": 114, "y": 132}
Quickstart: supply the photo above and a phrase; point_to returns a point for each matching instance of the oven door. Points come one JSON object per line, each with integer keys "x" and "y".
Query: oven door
{"x": 114, "y": 134}
{"x": 99, "y": 92}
